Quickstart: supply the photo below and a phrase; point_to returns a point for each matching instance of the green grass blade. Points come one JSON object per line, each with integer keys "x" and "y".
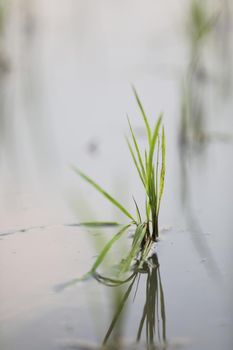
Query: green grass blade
{"x": 98, "y": 261}
{"x": 152, "y": 147}
{"x": 138, "y": 238}
{"x": 162, "y": 173}
{"x": 156, "y": 175}
{"x": 143, "y": 114}
{"x": 103, "y": 192}
{"x": 95, "y": 224}
{"x": 153, "y": 200}
{"x": 145, "y": 252}
{"x": 146, "y": 165}
{"x": 137, "y": 149}
{"x": 147, "y": 209}
{"x": 107, "y": 248}
{"x": 135, "y": 162}
{"x": 153, "y": 189}
{"x": 137, "y": 233}
{"x": 138, "y": 212}
{"x": 111, "y": 282}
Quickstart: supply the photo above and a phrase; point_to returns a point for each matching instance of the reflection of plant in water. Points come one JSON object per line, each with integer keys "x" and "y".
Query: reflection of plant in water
{"x": 4, "y": 61}
{"x": 199, "y": 27}
{"x": 2, "y": 22}
{"x": 199, "y": 239}
{"x": 151, "y": 174}
{"x": 4, "y": 70}
{"x": 153, "y": 320}
{"x": 224, "y": 29}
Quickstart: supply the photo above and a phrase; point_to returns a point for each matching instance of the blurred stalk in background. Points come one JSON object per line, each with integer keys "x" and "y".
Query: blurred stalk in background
{"x": 5, "y": 67}
{"x": 206, "y": 30}
{"x": 26, "y": 140}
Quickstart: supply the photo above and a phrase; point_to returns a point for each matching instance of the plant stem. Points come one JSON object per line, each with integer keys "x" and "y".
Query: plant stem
{"x": 155, "y": 229}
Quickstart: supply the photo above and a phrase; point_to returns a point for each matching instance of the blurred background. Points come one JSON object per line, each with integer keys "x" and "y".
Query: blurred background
{"x": 66, "y": 70}
{"x": 65, "y": 85}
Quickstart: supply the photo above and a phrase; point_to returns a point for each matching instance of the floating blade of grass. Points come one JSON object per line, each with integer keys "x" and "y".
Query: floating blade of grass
{"x": 143, "y": 114}
{"x": 97, "y": 262}
{"x": 95, "y": 224}
{"x": 103, "y": 192}
{"x": 162, "y": 174}
{"x": 111, "y": 282}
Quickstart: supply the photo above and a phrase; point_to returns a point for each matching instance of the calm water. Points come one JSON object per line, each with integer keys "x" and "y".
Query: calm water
{"x": 64, "y": 95}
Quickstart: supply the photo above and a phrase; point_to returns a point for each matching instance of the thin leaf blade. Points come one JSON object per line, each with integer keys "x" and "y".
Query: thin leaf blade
{"x": 94, "y": 224}
{"x": 143, "y": 114}
{"x": 103, "y": 192}
{"x": 137, "y": 149}
{"x": 107, "y": 247}
{"x": 135, "y": 162}
{"x": 152, "y": 145}
{"x": 138, "y": 211}
{"x": 163, "y": 169}
{"x": 138, "y": 238}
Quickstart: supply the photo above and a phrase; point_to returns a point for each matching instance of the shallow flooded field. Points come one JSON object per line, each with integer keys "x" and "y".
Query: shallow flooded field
{"x": 65, "y": 89}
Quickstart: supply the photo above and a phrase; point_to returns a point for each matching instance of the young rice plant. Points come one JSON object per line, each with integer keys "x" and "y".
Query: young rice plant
{"x": 150, "y": 166}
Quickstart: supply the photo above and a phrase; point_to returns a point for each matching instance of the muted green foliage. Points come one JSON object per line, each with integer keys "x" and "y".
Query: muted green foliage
{"x": 201, "y": 22}
{"x": 201, "y": 27}
{"x": 95, "y": 224}
{"x": 151, "y": 171}
{"x": 2, "y": 17}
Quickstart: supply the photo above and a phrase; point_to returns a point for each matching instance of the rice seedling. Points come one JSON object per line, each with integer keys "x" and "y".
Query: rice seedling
{"x": 150, "y": 166}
